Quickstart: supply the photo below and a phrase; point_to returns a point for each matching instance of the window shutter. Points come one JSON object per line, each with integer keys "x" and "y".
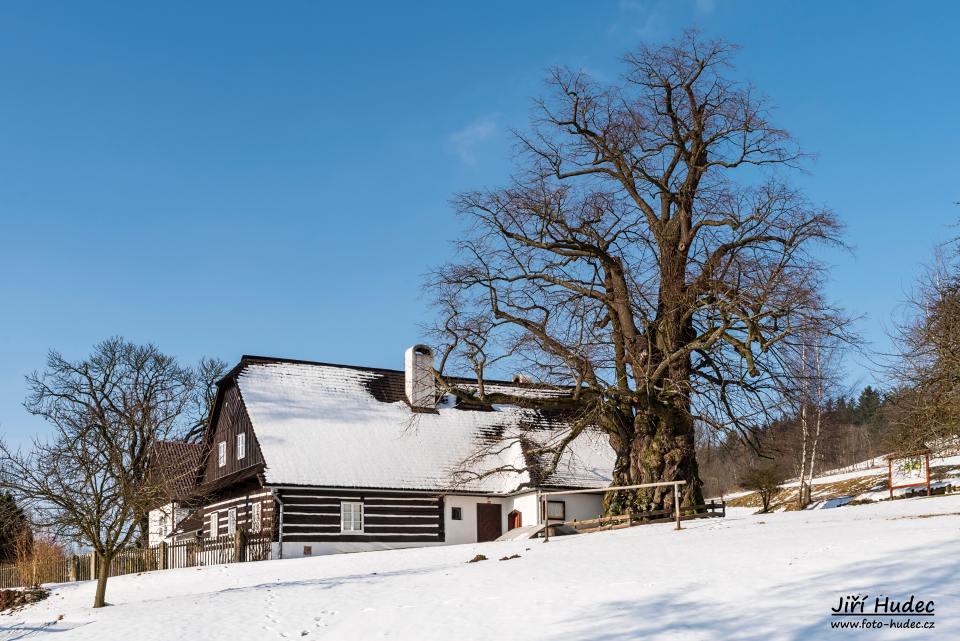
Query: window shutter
{"x": 232, "y": 521}
{"x": 241, "y": 446}
{"x": 222, "y": 454}
{"x": 256, "y": 517}
{"x": 214, "y": 525}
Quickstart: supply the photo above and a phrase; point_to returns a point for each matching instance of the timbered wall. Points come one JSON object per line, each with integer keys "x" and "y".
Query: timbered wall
{"x": 231, "y": 421}
{"x": 242, "y": 498}
{"x": 313, "y": 515}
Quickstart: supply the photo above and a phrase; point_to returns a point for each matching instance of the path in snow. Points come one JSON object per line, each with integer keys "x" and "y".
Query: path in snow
{"x": 745, "y": 577}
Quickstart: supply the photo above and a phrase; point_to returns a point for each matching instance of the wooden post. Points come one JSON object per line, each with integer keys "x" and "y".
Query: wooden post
{"x": 239, "y": 546}
{"x": 93, "y": 565}
{"x": 74, "y": 568}
{"x": 890, "y": 474}
{"x": 162, "y": 558}
{"x": 546, "y": 522}
{"x": 927, "y": 458}
{"x": 676, "y": 503}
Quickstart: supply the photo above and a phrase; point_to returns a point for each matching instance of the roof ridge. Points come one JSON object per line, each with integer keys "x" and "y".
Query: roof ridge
{"x": 254, "y": 359}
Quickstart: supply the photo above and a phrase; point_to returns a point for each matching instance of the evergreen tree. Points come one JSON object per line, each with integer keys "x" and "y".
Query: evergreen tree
{"x": 13, "y": 523}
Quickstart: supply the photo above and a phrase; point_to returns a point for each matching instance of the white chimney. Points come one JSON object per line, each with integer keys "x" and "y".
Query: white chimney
{"x": 418, "y": 377}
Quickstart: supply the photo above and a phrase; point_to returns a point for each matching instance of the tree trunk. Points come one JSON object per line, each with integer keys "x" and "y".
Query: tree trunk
{"x": 664, "y": 451}
{"x": 661, "y": 449}
{"x": 805, "y": 432}
{"x": 103, "y": 572}
{"x": 819, "y": 419}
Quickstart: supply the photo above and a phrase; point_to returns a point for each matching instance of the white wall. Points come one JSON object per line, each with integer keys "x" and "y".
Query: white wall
{"x": 162, "y": 520}
{"x": 526, "y": 504}
{"x": 321, "y": 548}
{"x": 578, "y": 506}
{"x": 465, "y": 531}
{"x": 581, "y": 506}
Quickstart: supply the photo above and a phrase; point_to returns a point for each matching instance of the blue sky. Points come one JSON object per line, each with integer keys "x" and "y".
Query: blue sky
{"x": 274, "y": 178}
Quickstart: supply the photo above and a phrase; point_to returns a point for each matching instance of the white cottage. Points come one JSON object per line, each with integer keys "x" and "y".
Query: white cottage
{"x": 337, "y": 458}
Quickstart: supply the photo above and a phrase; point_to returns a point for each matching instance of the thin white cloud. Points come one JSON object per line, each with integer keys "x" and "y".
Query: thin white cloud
{"x": 656, "y": 20}
{"x": 466, "y": 140}
{"x": 706, "y": 7}
{"x": 640, "y": 18}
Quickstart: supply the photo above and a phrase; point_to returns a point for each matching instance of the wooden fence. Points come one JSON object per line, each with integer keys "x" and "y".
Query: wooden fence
{"x": 687, "y": 512}
{"x": 237, "y": 548}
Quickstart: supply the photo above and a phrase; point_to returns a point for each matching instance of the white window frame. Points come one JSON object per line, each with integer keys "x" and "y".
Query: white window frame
{"x": 231, "y": 521}
{"x": 241, "y": 446}
{"x": 256, "y": 517}
{"x": 214, "y": 525}
{"x": 349, "y": 511}
{"x": 221, "y": 453}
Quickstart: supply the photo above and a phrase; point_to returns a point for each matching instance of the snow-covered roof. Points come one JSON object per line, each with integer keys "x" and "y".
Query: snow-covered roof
{"x": 330, "y": 425}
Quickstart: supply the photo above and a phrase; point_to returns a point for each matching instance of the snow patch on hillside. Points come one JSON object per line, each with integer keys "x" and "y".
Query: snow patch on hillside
{"x": 744, "y": 577}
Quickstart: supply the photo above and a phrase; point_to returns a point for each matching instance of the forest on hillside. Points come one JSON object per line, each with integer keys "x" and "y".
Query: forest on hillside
{"x": 853, "y": 429}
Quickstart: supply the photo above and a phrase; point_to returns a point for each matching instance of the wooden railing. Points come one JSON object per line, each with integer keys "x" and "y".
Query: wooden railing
{"x": 543, "y": 499}
{"x": 687, "y": 512}
{"x": 237, "y": 548}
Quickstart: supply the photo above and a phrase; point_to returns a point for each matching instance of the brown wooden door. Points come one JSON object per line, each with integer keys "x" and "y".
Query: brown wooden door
{"x": 514, "y": 520}
{"x": 489, "y": 524}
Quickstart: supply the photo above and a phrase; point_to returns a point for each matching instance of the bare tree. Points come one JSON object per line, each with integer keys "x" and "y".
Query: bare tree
{"x": 814, "y": 373}
{"x": 926, "y": 405}
{"x": 88, "y": 481}
{"x": 818, "y": 401}
{"x": 804, "y": 403}
{"x": 208, "y": 373}
{"x": 645, "y": 262}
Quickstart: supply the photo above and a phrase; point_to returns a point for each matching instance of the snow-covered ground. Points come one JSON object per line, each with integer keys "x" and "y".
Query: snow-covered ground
{"x": 746, "y": 577}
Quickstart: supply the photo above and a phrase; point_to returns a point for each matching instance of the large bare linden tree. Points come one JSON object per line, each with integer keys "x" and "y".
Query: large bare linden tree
{"x": 648, "y": 259}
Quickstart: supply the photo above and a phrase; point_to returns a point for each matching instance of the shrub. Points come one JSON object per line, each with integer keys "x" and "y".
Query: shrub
{"x": 40, "y": 559}
{"x": 765, "y": 480}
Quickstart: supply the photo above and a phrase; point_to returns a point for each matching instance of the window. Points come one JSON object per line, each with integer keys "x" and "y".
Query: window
{"x": 307, "y": 550}
{"x": 214, "y": 525}
{"x": 557, "y": 510}
{"x": 241, "y": 446}
{"x": 222, "y": 454}
{"x": 351, "y": 517}
{"x": 232, "y": 521}
{"x": 456, "y": 513}
{"x": 256, "y": 517}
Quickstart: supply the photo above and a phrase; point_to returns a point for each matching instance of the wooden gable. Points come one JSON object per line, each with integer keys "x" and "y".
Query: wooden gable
{"x": 230, "y": 420}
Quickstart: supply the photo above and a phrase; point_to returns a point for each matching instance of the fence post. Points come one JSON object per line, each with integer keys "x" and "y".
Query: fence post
{"x": 162, "y": 559}
{"x": 93, "y": 564}
{"x": 676, "y": 503}
{"x": 546, "y": 521}
{"x": 74, "y": 571}
{"x": 239, "y": 546}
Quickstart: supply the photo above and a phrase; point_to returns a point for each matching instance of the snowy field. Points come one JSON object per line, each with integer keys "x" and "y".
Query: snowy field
{"x": 772, "y": 576}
